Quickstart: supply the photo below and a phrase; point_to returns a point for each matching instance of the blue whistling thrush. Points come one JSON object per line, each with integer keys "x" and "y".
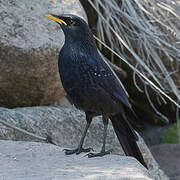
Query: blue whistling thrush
{"x": 92, "y": 86}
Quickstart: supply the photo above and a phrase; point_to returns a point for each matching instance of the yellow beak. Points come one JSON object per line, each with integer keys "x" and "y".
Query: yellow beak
{"x": 60, "y": 21}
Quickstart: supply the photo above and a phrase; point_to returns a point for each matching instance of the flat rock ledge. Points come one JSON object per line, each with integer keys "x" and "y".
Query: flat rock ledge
{"x": 40, "y": 161}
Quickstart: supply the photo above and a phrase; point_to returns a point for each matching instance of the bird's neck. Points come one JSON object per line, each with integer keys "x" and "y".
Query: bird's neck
{"x": 84, "y": 44}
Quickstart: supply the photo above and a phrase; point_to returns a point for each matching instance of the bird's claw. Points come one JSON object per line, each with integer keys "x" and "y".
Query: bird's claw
{"x": 77, "y": 150}
{"x": 84, "y": 150}
{"x": 100, "y": 154}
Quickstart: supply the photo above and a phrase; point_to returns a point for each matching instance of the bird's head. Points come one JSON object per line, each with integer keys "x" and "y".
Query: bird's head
{"x": 73, "y": 26}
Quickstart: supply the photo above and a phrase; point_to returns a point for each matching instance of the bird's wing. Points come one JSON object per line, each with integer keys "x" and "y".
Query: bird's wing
{"x": 104, "y": 76}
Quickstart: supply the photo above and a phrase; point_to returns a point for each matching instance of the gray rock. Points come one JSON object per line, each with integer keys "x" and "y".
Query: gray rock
{"x": 63, "y": 102}
{"x": 65, "y": 126}
{"x": 40, "y": 161}
{"x": 153, "y": 134}
{"x": 167, "y": 155}
{"x": 29, "y": 47}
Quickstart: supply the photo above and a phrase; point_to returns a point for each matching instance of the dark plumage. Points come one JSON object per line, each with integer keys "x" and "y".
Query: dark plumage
{"x": 92, "y": 86}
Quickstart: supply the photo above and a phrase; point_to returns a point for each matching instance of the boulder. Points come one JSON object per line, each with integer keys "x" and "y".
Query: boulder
{"x": 167, "y": 155}
{"x": 29, "y": 48}
{"x": 65, "y": 127}
{"x": 40, "y": 161}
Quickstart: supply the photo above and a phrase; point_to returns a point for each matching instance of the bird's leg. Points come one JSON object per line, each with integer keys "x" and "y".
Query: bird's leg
{"x": 80, "y": 148}
{"x": 103, "y": 151}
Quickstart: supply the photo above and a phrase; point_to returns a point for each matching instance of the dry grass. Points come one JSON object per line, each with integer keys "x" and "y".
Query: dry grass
{"x": 149, "y": 30}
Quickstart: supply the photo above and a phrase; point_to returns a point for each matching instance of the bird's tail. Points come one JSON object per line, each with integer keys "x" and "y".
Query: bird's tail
{"x": 127, "y": 137}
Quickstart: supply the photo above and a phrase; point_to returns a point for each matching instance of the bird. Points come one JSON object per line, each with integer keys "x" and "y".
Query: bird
{"x": 93, "y": 87}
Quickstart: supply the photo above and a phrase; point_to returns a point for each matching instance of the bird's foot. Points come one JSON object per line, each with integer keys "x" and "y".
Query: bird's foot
{"x": 76, "y": 151}
{"x": 100, "y": 154}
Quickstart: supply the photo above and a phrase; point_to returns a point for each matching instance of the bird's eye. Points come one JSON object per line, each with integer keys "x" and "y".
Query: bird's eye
{"x": 72, "y": 22}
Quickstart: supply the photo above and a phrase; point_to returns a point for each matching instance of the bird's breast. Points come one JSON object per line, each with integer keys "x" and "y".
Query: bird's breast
{"x": 74, "y": 71}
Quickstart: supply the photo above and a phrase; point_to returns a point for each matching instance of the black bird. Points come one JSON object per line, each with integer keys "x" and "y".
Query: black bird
{"x": 92, "y": 86}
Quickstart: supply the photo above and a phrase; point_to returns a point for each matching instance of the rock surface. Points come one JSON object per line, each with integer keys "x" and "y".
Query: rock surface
{"x": 65, "y": 127}
{"x": 167, "y": 155}
{"x": 153, "y": 135}
{"x": 29, "y": 47}
{"x": 40, "y": 161}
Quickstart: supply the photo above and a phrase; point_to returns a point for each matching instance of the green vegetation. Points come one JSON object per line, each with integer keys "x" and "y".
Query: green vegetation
{"x": 171, "y": 135}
